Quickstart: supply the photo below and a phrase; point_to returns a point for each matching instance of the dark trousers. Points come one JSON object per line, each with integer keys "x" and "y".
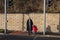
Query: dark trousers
{"x": 29, "y": 32}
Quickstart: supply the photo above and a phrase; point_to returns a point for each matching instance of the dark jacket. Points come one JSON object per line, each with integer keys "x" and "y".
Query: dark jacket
{"x": 29, "y": 25}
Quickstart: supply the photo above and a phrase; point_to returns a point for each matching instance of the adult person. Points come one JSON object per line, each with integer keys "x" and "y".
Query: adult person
{"x": 29, "y": 26}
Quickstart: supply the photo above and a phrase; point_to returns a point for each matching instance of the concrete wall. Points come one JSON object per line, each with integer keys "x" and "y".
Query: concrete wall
{"x": 17, "y": 21}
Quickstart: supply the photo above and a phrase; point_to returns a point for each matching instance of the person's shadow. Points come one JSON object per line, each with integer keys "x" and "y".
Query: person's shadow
{"x": 48, "y": 28}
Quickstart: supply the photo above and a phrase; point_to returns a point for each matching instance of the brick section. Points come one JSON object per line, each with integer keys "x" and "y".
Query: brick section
{"x": 53, "y": 21}
{"x": 14, "y": 21}
{"x": 18, "y": 23}
{"x": 1, "y": 21}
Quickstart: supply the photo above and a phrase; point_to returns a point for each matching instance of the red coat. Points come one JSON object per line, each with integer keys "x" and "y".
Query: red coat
{"x": 34, "y": 28}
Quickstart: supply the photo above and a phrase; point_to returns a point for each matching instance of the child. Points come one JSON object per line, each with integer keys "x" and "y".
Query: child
{"x": 34, "y": 28}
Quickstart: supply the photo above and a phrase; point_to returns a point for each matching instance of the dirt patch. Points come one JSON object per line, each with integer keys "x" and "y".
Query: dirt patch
{"x": 18, "y": 33}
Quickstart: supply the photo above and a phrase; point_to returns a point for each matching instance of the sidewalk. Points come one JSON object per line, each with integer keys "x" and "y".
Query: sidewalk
{"x": 37, "y": 34}
{"x": 19, "y": 33}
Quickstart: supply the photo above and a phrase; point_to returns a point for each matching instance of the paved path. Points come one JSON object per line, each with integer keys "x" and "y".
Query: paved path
{"x": 19, "y": 37}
